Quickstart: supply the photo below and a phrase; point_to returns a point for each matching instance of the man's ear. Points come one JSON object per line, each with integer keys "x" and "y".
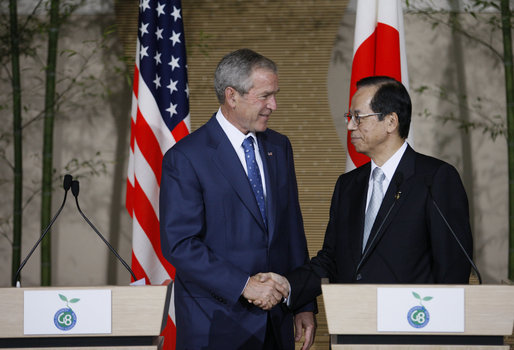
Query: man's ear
{"x": 230, "y": 96}
{"x": 393, "y": 123}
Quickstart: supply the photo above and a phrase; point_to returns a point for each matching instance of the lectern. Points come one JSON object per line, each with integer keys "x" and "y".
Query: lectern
{"x": 138, "y": 314}
{"x": 356, "y": 320}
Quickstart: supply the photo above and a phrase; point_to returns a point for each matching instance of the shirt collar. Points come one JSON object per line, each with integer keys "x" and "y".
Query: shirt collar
{"x": 235, "y": 136}
{"x": 391, "y": 164}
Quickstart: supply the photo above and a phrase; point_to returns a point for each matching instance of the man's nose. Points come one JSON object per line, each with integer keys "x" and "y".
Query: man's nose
{"x": 351, "y": 125}
{"x": 272, "y": 103}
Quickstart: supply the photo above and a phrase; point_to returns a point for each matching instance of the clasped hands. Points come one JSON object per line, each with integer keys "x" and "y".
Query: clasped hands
{"x": 266, "y": 290}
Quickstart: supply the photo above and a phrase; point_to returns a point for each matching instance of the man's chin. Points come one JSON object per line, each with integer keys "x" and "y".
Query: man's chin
{"x": 358, "y": 147}
{"x": 261, "y": 128}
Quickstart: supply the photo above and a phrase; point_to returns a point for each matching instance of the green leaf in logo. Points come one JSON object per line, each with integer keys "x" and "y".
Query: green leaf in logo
{"x": 427, "y": 298}
{"x": 74, "y": 300}
{"x": 63, "y": 298}
{"x": 416, "y": 295}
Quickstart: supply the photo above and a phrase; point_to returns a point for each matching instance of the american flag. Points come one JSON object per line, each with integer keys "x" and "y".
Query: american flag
{"x": 160, "y": 117}
{"x": 378, "y": 49}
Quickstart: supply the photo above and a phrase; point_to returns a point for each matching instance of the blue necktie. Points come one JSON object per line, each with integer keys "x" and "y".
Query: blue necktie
{"x": 254, "y": 175}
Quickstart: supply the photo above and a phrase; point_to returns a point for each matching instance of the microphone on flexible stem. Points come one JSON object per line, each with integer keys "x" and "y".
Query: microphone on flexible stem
{"x": 66, "y": 185}
{"x": 398, "y": 182}
{"x": 75, "y": 192}
{"x": 428, "y": 182}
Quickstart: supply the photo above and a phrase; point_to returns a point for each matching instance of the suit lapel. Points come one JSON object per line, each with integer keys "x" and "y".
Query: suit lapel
{"x": 394, "y": 197}
{"x": 357, "y": 210}
{"x": 230, "y": 166}
{"x": 268, "y": 154}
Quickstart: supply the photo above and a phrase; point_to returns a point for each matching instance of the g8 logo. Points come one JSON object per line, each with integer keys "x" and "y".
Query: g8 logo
{"x": 418, "y": 317}
{"x": 65, "y": 319}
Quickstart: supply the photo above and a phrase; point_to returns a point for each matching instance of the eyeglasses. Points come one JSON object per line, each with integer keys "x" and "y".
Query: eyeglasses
{"x": 356, "y": 118}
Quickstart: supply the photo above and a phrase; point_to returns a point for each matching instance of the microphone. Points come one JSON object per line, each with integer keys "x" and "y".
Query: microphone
{"x": 428, "y": 182}
{"x": 75, "y": 192}
{"x": 66, "y": 185}
{"x": 398, "y": 182}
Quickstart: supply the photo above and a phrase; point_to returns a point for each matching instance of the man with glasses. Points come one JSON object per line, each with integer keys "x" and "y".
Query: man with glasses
{"x": 385, "y": 225}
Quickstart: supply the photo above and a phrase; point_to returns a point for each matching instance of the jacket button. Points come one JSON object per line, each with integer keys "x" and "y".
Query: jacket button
{"x": 359, "y": 277}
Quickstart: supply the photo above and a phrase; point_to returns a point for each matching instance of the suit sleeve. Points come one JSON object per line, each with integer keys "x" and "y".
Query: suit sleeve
{"x": 182, "y": 225}
{"x": 306, "y": 280}
{"x": 298, "y": 242}
{"x": 450, "y": 263}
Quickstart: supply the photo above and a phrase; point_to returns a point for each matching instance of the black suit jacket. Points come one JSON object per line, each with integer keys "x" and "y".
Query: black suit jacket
{"x": 409, "y": 242}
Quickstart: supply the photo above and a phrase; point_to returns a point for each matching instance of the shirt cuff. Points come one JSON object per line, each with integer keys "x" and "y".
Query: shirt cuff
{"x": 248, "y": 280}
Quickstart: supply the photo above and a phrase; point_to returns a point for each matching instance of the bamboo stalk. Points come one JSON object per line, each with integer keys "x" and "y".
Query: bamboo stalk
{"x": 17, "y": 136}
{"x": 48, "y": 128}
{"x": 509, "y": 90}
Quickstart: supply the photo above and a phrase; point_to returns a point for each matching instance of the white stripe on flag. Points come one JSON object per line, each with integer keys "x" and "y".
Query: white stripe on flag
{"x": 145, "y": 254}
{"x": 171, "y": 311}
{"x": 149, "y": 109}
{"x": 130, "y": 174}
{"x": 146, "y": 179}
{"x": 187, "y": 121}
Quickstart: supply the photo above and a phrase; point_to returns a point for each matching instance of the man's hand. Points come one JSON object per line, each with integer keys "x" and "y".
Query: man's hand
{"x": 281, "y": 284}
{"x": 265, "y": 290}
{"x": 281, "y": 280}
{"x": 305, "y": 321}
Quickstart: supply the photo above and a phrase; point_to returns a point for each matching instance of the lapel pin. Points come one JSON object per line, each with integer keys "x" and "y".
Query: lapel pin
{"x": 398, "y": 194}
{"x": 270, "y": 154}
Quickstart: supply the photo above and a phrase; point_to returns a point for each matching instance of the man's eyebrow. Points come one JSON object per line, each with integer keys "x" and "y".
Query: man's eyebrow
{"x": 272, "y": 92}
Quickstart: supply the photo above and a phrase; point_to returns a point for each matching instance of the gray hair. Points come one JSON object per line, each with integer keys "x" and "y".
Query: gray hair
{"x": 235, "y": 69}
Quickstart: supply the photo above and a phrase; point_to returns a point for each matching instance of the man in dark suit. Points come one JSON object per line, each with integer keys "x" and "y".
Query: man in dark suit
{"x": 229, "y": 209}
{"x": 384, "y": 226}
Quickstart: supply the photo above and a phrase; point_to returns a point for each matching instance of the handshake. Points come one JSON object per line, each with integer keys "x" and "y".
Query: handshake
{"x": 266, "y": 290}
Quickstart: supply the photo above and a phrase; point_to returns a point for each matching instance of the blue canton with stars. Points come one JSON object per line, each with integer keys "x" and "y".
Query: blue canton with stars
{"x": 162, "y": 57}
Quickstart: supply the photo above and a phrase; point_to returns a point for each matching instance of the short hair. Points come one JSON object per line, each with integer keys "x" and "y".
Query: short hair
{"x": 235, "y": 69}
{"x": 390, "y": 96}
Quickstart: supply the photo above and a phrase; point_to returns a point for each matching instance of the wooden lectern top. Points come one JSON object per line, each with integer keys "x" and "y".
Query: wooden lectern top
{"x": 136, "y": 310}
{"x": 352, "y": 308}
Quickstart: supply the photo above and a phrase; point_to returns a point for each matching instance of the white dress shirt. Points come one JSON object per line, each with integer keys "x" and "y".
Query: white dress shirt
{"x": 388, "y": 168}
{"x": 236, "y": 138}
